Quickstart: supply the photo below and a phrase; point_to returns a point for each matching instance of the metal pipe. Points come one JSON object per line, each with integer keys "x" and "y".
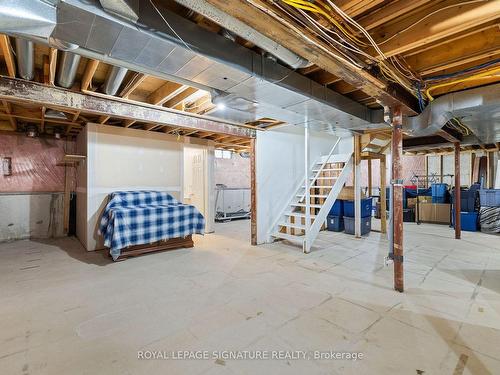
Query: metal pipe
{"x": 246, "y": 32}
{"x": 114, "y": 80}
{"x": 25, "y": 52}
{"x": 68, "y": 66}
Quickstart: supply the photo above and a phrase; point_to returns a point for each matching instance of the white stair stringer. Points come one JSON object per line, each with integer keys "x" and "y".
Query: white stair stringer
{"x": 307, "y": 234}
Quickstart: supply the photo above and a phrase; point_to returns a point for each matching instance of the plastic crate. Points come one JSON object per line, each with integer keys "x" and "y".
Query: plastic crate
{"x": 439, "y": 190}
{"x": 489, "y": 197}
{"x": 469, "y": 221}
{"x": 335, "y": 223}
{"x": 366, "y": 225}
{"x": 468, "y": 199}
{"x": 439, "y": 199}
{"x": 337, "y": 209}
{"x": 366, "y": 208}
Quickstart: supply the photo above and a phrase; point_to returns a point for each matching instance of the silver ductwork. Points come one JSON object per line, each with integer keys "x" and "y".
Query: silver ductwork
{"x": 27, "y": 18}
{"x": 478, "y": 109}
{"x": 128, "y": 9}
{"x": 186, "y": 53}
{"x": 67, "y": 68}
{"x": 246, "y": 32}
{"x": 114, "y": 79}
{"x": 25, "y": 53}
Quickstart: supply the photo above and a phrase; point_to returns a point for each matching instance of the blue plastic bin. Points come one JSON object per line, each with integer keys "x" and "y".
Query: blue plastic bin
{"x": 469, "y": 221}
{"x": 335, "y": 223}
{"x": 489, "y": 197}
{"x": 366, "y": 225}
{"x": 439, "y": 199}
{"x": 338, "y": 208}
{"x": 439, "y": 190}
{"x": 366, "y": 208}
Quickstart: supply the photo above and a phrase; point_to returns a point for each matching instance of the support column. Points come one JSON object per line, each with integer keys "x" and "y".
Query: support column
{"x": 307, "y": 193}
{"x": 383, "y": 205}
{"x": 369, "y": 177}
{"x": 357, "y": 185}
{"x": 397, "y": 219}
{"x": 458, "y": 225}
{"x": 253, "y": 194}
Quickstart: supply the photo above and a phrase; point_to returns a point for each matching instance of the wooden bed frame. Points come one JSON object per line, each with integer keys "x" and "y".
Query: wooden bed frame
{"x": 173, "y": 243}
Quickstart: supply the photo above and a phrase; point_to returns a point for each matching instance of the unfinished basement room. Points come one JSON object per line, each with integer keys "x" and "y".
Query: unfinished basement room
{"x": 249, "y": 187}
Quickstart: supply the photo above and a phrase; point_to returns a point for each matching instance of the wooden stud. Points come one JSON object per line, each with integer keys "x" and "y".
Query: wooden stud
{"x": 397, "y": 219}
{"x": 8, "y": 55}
{"x": 132, "y": 84}
{"x": 89, "y": 73}
{"x": 52, "y": 65}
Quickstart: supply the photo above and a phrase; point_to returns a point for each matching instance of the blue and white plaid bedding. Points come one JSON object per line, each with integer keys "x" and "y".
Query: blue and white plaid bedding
{"x": 142, "y": 217}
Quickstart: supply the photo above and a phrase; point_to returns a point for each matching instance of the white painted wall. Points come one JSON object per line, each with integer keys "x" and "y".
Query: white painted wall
{"x": 129, "y": 159}
{"x": 280, "y": 168}
{"x": 31, "y": 215}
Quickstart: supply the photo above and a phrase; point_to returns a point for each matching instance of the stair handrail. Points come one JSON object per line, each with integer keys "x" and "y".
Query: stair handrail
{"x": 309, "y": 185}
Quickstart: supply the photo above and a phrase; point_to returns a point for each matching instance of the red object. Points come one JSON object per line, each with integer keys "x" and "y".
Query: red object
{"x": 414, "y": 187}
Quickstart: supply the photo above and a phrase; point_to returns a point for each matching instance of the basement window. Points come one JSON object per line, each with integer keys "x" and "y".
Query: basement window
{"x": 223, "y": 154}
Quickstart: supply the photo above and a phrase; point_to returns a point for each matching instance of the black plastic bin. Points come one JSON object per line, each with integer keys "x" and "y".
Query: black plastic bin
{"x": 366, "y": 225}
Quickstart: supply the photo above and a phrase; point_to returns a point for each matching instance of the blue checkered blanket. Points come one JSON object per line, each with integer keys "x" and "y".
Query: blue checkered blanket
{"x": 142, "y": 217}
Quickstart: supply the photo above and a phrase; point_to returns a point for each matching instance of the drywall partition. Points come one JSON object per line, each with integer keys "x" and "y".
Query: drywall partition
{"x": 280, "y": 168}
{"x": 129, "y": 159}
{"x": 81, "y": 188}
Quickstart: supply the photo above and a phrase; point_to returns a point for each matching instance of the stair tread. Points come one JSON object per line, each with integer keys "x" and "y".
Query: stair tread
{"x": 324, "y": 178}
{"x": 303, "y": 205}
{"x": 314, "y": 195}
{"x": 317, "y": 187}
{"x": 291, "y": 225}
{"x": 327, "y": 169}
{"x": 289, "y": 237}
{"x": 299, "y": 214}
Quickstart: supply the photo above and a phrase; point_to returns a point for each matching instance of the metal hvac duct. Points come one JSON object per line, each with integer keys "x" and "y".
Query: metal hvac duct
{"x": 477, "y": 108}
{"x": 246, "y": 32}
{"x": 67, "y": 68}
{"x": 114, "y": 80}
{"x": 25, "y": 53}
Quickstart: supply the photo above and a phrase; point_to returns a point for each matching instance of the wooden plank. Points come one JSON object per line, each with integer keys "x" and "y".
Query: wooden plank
{"x": 8, "y": 55}
{"x": 458, "y": 226}
{"x": 90, "y": 69}
{"x": 165, "y": 92}
{"x": 8, "y": 109}
{"x": 257, "y": 14}
{"x": 132, "y": 84}
{"x": 172, "y": 243}
{"x": 34, "y": 93}
{"x": 52, "y": 65}
{"x": 402, "y": 36}
{"x": 389, "y": 12}
{"x": 180, "y": 97}
{"x": 253, "y": 193}
{"x": 397, "y": 212}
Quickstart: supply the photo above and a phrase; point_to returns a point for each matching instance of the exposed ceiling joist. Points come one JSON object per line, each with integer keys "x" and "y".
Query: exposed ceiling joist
{"x": 30, "y": 92}
{"x": 8, "y": 55}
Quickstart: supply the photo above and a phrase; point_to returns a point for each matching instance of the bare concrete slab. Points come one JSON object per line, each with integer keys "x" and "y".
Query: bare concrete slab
{"x": 67, "y": 311}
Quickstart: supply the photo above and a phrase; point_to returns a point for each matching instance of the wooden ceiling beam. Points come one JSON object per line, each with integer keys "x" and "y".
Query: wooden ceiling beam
{"x": 134, "y": 82}
{"x": 258, "y": 14}
{"x": 52, "y": 65}
{"x": 402, "y": 36}
{"x": 180, "y": 97}
{"x": 88, "y": 74}
{"x": 165, "y": 92}
{"x": 39, "y": 94}
{"x": 389, "y": 12}
{"x": 8, "y": 55}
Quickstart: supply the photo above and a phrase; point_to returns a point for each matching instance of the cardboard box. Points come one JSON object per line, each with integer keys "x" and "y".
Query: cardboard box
{"x": 411, "y": 202}
{"x": 434, "y": 212}
{"x": 347, "y": 193}
{"x": 424, "y": 199}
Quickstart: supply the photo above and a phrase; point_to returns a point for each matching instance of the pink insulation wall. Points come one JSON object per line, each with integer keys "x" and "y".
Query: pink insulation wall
{"x": 35, "y": 163}
{"x": 234, "y": 172}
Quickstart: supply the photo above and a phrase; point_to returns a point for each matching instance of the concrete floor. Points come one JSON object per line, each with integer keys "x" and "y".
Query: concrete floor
{"x": 65, "y": 311}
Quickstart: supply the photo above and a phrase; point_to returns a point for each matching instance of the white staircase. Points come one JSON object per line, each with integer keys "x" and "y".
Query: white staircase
{"x": 301, "y": 221}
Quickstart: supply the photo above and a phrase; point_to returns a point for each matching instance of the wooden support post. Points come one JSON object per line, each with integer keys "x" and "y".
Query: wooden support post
{"x": 383, "y": 205}
{"x": 441, "y": 168}
{"x": 357, "y": 186}
{"x": 472, "y": 161}
{"x": 253, "y": 194}
{"x": 67, "y": 197}
{"x": 458, "y": 226}
{"x": 307, "y": 192}
{"x": 397, "y": 219}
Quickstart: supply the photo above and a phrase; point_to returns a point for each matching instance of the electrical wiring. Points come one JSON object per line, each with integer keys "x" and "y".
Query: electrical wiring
{"x": 464, "y": 71}
{"x": 486, "y": 74}
{"x": 429, "y": 15}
